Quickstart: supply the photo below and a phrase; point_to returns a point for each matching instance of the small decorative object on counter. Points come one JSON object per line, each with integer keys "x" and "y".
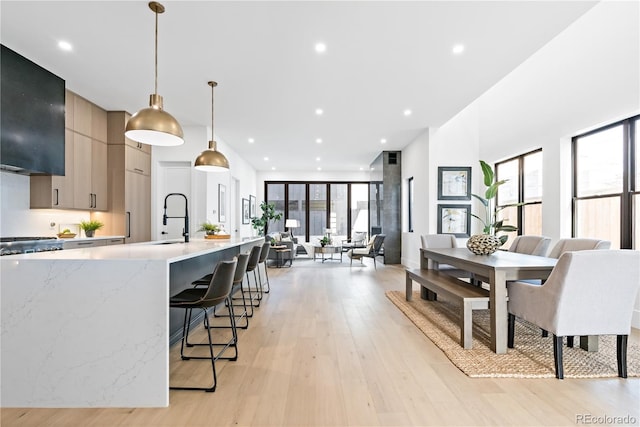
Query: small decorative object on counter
{"x": 66, "y": 234}
{"x": 213, "y": 231}
{"x": 90, "y": 227}
{"x": 325, "y": 241}
{"x": 487, "y": 243}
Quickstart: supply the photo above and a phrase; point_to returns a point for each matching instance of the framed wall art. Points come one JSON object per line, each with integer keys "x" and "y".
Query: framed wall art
{"x": 252, "y": 207}
{"x": 222, "y": 203}
{"x": 454, "y": 183}
{"x": 245, "y": 211}
{"x": 454, "y": 219}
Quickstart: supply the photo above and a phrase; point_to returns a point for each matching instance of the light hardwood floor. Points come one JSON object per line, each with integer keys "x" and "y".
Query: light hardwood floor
{"x": 327, "y": 348}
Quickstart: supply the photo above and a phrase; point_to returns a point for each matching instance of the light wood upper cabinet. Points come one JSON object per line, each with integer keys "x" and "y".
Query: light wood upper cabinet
{"x": 84, "y": 185}
{"x": 99, "y": 181}
{"x": 53, "y": 191}
{"x": 82, "y": 116}
{"x": 129, "y": 182}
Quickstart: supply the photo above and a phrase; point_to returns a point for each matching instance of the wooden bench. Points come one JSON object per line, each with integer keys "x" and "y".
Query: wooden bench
{"x": 471, "y": 297}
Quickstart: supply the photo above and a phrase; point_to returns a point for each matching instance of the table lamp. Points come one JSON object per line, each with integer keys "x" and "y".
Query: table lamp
{"x": 291, "y": 224}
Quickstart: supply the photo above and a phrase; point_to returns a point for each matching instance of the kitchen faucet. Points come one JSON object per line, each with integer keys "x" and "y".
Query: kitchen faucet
{"x": 185, "y": 230}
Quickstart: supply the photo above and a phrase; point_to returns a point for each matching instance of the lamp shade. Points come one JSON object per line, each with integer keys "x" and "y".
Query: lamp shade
{"x": 154, "y": 126}
{"x": 212, "y": 160}
{"x": 292, "y": 223}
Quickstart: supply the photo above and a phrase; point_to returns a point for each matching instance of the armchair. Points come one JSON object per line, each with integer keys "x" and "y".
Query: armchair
{"x": 372, "y": 250}
{"x": 358, "y": 239}
{"x": 589, "y": 292}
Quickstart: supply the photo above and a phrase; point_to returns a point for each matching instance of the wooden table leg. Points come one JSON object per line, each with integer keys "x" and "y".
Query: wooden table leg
{"x": 498, "y": 303}
{"x": 409, "y": 288}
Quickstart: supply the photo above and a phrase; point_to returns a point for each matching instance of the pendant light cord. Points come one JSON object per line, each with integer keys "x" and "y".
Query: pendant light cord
{"x": 212, "y": 135}
{"x": 156, "y": 57}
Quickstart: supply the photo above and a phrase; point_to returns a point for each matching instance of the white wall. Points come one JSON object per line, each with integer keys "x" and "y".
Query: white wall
{"x": 585, "y": 77}
{"x": 203, "y": 205}
{"x": 17, "y": 220}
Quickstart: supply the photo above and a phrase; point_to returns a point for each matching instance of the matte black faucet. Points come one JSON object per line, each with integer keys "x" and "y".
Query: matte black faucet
{"x": 185, "y": 230}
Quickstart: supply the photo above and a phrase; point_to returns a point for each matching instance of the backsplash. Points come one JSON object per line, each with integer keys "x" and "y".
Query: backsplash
{"x": 16, "y": 219}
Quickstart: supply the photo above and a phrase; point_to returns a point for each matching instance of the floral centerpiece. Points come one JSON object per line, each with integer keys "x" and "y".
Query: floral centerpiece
{"x": 488, "y": 242}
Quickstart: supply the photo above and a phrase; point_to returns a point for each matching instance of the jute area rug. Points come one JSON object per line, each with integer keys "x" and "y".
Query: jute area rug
{"x": 532, "y": 356}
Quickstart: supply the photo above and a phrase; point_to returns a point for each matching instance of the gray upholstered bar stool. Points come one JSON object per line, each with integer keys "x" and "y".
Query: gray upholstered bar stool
{"x": 264, "y": 253}
{"x": 202, "y": 298}
{"x": 254, "y": 299}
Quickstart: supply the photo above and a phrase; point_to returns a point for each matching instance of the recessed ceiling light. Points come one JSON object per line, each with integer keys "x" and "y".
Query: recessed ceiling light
{"x": 319, "y": 169}
{"x": 407, "y": 112}
{"x": 266, "y": 159}
{"x": 66, "y": 46}
{"x": 321, "y": 47}
{"x": 361, "y": 168}
{"x": 383, "y": 141}
{"x": 458, "y": 49}
{"x": 317, "y": 159}
{"x": 318, "y": 140}
{"x": 251, "y": 140}
{"x": 319, "y": 111}
{"x": 273, "y": 168}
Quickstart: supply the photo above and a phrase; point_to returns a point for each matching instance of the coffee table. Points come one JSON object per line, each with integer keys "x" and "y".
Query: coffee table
{"x": 327, "y": 250}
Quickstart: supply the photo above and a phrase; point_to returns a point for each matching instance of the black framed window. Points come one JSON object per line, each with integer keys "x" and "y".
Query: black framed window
{"x": 342, "y": 207}
{"x": 606, "y": 183}
{"x": 410, "y": 203}
{"x": 524, "y": 185}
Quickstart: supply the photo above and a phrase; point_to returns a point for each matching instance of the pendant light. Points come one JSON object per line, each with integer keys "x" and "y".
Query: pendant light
{"x": 153, "y": 125}
{"x": 212, "y": 160}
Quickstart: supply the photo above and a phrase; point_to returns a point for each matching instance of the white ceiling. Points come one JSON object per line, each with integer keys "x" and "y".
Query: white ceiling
{"x": 381, "y": 58}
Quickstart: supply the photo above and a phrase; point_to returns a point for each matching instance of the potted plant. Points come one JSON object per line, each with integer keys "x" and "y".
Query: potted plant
{"x": 325, "y": 241}
{"x": 208, "y": 228}
{"x": 261, "y": 223}
{"x": 90, "y": 227}
{"x": 488, "y": 242}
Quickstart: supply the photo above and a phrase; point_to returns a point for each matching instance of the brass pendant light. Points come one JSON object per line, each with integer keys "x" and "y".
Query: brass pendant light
{"x": 153, "y": 125}
{"x": 212, "y": 160}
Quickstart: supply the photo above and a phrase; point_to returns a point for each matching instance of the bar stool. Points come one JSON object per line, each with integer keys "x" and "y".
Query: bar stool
{"x": 254, "y": 257}
{"x": 243, "y": 260}
{"x": 263, "y": 260}
{"x": 217, "y": 292}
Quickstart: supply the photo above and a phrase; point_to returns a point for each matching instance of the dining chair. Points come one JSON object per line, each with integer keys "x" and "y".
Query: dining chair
{"x": 572, "y": 302}
{"x": 530, "y": 245}
{"x": 577, "y": 244}
{"x": 443, "y": 241}
{"x": 216, "y": 293}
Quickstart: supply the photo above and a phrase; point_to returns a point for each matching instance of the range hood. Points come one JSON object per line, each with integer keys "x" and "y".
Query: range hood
{"x": 32, "y": 117}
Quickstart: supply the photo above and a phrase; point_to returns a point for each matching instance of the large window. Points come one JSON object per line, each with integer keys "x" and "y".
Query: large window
{"x": 342, "y": 207}
{"x": 524, "y": 187}
{"x": 606, "y": 183}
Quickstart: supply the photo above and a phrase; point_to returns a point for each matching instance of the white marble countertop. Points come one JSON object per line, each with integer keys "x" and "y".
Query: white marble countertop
{"x": 157, "y": 250}
{"x": 83, "y": 239}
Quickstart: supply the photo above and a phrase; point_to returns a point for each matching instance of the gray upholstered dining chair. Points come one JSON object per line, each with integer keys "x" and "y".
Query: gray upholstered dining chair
{"x": 443, "y": 241}
{"x": 531, "y": 245}
{"x": 572, "y": 302}
{"x": 577, "y": 244}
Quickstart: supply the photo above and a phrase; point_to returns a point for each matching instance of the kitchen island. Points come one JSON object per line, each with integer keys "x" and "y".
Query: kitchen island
{"x": 91, "y": 327}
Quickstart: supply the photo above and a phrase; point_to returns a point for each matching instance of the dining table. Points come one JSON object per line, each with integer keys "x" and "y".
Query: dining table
{"x": 499, "y": 267}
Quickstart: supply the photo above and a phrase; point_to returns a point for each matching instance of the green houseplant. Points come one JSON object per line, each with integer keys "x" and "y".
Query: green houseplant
{"x": 261, "y": 223}
{"x": 209, "y": 228}
{"x": 488, "y": 242}
{"x": 90, "y": 227}
{"x": 325, "y": 241}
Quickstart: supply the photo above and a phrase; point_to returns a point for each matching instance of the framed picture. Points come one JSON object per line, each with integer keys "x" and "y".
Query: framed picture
{"x": 252, "y": 207}
{"x": 245, "y": 211}
{"x": 454, "y": 183}
{"x": 222, "y": 203}
{"x": 454, "y": 219}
